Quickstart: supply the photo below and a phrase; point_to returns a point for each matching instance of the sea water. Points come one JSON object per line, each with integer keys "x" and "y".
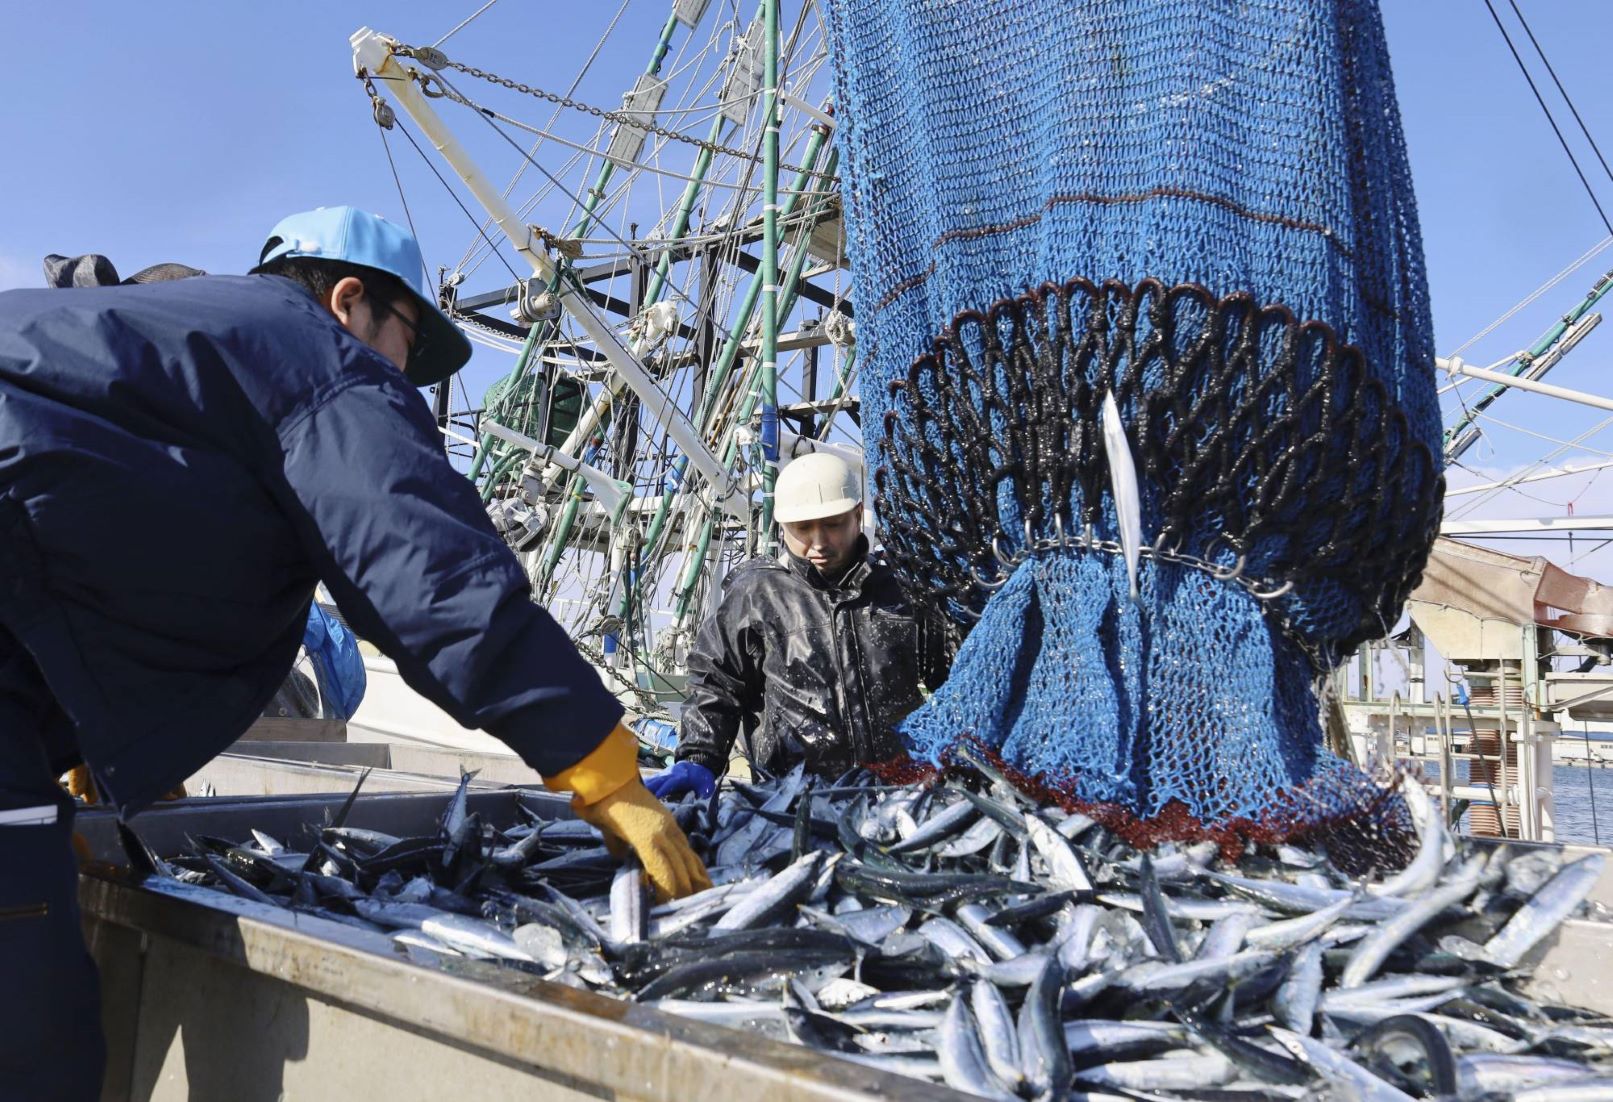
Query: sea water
{"x": 1577, "y": 791}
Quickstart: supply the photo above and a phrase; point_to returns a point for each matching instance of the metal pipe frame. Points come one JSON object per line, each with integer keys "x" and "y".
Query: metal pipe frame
{"x": 373, "y": 53}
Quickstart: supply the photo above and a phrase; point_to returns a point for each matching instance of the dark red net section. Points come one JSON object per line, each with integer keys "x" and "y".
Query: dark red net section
{"x": 1358, "y": 819}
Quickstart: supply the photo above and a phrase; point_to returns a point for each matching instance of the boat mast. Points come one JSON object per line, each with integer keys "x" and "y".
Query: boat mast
{"x": 376, "y": 55}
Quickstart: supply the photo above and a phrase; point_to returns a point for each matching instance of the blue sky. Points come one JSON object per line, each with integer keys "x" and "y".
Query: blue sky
{"x": 182, "y": 131}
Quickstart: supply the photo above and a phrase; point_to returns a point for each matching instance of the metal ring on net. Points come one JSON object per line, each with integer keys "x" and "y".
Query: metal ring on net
{"x": 1262, "y": 590}
{"x": 1218, "y": 412}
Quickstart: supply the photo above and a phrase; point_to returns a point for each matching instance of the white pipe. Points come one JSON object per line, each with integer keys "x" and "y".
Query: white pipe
{"x": 807, "y": 109}
{"x": 1525, "y": 525}
{"x": 1560, "y": 472}
{"x": 611, "y": 490}
{"x": 1455, "y": 365}
{"x": 372, "y": 53}
{"x": 792, "y": 444}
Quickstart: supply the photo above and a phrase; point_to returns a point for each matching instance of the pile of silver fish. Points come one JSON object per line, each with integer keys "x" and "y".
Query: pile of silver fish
{"x": 959, "y": 933}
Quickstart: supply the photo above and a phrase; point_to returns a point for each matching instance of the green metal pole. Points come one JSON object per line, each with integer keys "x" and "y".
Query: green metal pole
{"x": 500, "y": 469}
{"x": 731, "y": 347}
{"x": 691, "y": 191}
{"x": 570, "y": 484}
{"x": 557, "y": 547}
{"x": 684, "y": 591}
{"x": 1527, "y": 358}
{"x": 485, "y": 448}
{"x": 790, "y": 289}
{"x": 769, "y": 273}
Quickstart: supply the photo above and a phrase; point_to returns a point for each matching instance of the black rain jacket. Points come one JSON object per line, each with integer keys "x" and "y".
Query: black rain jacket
{"x": 798, "y": 668}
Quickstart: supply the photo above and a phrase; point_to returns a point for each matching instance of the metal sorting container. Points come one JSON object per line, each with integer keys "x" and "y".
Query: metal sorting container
{"x": 288, "y": 756}
{"x": 210, "y": 996}
{"x": 1574, "y": 966}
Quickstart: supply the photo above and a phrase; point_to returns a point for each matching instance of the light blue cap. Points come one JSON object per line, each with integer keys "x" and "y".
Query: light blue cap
{"x": 358, "y": 237}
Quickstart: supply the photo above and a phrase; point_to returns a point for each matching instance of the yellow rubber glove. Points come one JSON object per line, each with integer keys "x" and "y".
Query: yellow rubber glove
{"x": 610, "y": 795}
{"x": 79, "y": 785}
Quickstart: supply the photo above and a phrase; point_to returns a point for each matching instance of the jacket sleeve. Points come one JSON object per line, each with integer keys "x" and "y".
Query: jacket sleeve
{"x": 405, "y": 547}
{"x": 725, "y": 683}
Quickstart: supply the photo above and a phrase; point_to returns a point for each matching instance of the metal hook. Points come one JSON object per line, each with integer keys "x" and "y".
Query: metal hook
{"x": 1271, "y": 595}
{"x": 991, "y": 585}
{"x": 1221, "y": 573}
{"x": 996, "y": 549}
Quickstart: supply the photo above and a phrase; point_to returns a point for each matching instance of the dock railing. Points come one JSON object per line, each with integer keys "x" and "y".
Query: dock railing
{"x": 1483, "y": 740}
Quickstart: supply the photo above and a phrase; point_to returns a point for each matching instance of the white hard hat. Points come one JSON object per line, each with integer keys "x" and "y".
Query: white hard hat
{"x": 816, "y": 486}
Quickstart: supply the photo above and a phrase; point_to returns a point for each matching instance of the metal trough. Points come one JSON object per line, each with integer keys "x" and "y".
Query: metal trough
{"x": 209, "y": 996}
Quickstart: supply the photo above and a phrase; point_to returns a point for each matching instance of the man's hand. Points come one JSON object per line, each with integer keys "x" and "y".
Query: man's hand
{"x": 684, "y": 776}
{"x": 610, "y": 795}
{"x": 632, "y": 819}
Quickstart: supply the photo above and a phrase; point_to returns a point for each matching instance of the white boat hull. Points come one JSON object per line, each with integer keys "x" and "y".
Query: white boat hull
{"x": 393, "y": 712}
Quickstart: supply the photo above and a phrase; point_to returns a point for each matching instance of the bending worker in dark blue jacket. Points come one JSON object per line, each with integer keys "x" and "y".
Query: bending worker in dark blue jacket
{"x": 179, "y": 464}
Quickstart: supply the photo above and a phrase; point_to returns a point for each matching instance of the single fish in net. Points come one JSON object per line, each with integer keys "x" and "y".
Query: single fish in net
{"x": 1204, "y": 211}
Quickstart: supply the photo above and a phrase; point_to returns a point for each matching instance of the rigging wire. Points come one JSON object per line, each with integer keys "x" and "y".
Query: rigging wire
{"x": 487, "y": 117}
{"x": 1549, "y": 118}
{"x": 409, "y": 217}
{"x": 463, "y": 23}
{"x": 1563, "y": 445}
{"x": 1524, "y": 304}
{"x": 1583, "y": 129}
{"x": 634, "y": 167}
{"x": 1588, "y": 551}
{"x": 1537, "y": 537}
{"x": 575, "y": 84}
{"x": 655, "y": 437}
{"x": 452, "y": 194}
{"x": 1511, "y": 482}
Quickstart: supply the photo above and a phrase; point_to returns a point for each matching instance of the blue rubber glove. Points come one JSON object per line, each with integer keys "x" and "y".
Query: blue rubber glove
{"x": 338, "y": 664}
{"x": 683, "y": 777}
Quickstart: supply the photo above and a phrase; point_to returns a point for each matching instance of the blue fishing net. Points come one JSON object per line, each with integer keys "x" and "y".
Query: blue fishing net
{"x": 1204, "y": 210}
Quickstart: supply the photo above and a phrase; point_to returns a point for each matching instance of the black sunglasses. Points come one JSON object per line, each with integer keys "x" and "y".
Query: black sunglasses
{"x": 418, "y": 344}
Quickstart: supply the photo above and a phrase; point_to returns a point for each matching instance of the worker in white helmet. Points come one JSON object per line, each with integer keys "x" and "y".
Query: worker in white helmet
{"x": 815, "y": 656}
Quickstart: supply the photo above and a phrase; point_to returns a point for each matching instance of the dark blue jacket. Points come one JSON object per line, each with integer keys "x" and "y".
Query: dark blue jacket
{"x": 179, "y": 463}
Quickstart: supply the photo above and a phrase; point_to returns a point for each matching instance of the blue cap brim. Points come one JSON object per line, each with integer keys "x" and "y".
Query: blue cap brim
{"x": 445, "y": 349}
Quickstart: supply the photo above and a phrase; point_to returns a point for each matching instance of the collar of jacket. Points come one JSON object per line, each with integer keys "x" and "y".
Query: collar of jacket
{"x": 854, "y": 577}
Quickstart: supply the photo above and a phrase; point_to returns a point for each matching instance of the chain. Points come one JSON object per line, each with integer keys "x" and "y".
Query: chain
{"x": 435, "y": 59}
{"x": 645, "y": 699}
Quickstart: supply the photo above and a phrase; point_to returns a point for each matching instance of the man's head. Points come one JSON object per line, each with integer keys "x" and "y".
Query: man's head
{"x": 368, "y": 273}
{"x": 818, "y": 504}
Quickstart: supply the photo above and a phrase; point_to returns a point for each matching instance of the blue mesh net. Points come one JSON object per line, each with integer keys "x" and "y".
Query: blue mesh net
{"x": 1204, "y": 210}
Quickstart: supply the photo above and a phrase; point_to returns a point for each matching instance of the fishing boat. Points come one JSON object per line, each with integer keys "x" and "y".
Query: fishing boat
{"x": 671, "y": 297}
{"x": 666, "y": 281}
